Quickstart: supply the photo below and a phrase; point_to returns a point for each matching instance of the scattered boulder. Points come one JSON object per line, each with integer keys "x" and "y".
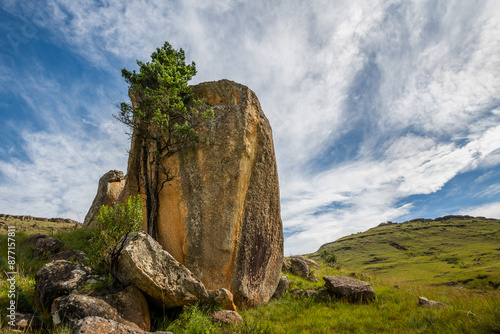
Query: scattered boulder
{"x": 60, "y": 278}
{"x": 131, "y": 306}
{"x": 227, "y": 317}
{"x": 93, "y": 325}
{"x": 47, "y": 245}
{"x": 220, "y": 215}
{"x": 155, "y": 272}
{"x": 299, "y": 267}
{"x": 223, "y": 297}
{"x": 351, "y": 289}
{"x": 109, "y": 189}
{"x": 32, "y": 239}
{"x": 282, "y": 287}
{"x": 424, "y": 302}
{"x": 309, "y": 262}
{"x": 72, "y": 255}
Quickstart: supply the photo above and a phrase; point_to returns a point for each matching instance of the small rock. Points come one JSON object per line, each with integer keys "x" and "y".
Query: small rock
{"x": 312, "y": 294}
{"x": 28, "y": 322}
{"x": 424, "y": 302}
{"x": 223, "y": 297}
{"x": 282, "y": 287}
{"x": 47, "y": 245}
{"x": 93, "y": 325}
{"x": 227, "y": 317}
{"x": 352, "y": 289}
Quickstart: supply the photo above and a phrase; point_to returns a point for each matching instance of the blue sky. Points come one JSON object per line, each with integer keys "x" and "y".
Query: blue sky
{"x": 381, "y": 110}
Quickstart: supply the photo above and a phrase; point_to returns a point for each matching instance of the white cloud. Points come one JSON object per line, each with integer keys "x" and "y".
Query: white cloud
{"x": 490, "y": 210}
{"x": 409, "y": 87}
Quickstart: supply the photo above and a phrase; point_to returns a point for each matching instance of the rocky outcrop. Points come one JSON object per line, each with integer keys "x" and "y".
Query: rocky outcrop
{"x": 109, "y": 189}
{"x": 220, "y": 215}
{"x": 60, "y": 278}
{"x": 155, "y": 272}
{"x": 93, "y": 325}
{"x": 350, "y": 289}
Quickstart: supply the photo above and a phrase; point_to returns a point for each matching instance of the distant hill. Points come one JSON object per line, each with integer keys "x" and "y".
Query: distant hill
{"x": 30, "y": 224}
{"x": 451, "y": 250}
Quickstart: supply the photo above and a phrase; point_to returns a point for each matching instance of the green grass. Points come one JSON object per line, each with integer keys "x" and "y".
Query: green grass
{"x": 395, "y": 309}
{"x": 454, "y": 251}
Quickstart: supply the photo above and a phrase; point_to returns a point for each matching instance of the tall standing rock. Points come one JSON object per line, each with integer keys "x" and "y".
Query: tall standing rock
{"x": 109, "y": 189}
{"x": 220, "y": 215}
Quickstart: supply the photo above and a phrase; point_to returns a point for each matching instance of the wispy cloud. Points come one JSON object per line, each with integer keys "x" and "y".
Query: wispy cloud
{"x": 370, "y": 102}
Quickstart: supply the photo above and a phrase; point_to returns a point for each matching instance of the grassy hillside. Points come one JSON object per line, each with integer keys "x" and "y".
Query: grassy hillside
{"x": 395, "y": 309}
{"x": 453, "y": 250}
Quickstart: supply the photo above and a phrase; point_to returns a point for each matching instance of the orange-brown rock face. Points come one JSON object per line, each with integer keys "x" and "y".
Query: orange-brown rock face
{"x": 110, "y": 186}
{"x": 220, "y": 216}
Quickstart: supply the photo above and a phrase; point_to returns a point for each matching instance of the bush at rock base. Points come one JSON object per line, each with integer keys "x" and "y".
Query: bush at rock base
{"x": 112, "y": 224}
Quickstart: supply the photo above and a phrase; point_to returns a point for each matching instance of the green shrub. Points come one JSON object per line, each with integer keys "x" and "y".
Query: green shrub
{"x": 328, "y": 257}
{"x": 112, "y": 228}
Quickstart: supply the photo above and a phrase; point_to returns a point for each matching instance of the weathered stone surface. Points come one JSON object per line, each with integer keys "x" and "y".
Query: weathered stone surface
{"x": 60, "y": 278}
{"x": 286, "y": 265}
{"x": 72, "y": 255}
{"x": 70, "y": 309}
{"x": 98, "y": 325}
{"x": 220, "y": 216}
{"x": 283, "y": 286}
{"x": 32, "y": 239}
{"x": 424, "y": 302}
{"x": 155, "y": 272}
{"x": 351, "y": 289}
{"x": 223, "y": 297}
{"x": 299, "y": 267}
{"x": 109, "y": 189}
{"x": 47, "y": 245}
{"x": 227, "y": 317}
{"x": 131, "y": 306}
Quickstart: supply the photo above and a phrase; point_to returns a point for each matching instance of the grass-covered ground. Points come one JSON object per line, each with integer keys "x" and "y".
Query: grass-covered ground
{"x": 395, "y": 310}
{"x": 462, "y": 251}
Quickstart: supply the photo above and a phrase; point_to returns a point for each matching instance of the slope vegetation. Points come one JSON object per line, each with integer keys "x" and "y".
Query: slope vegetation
{"x": 451, "y": 250}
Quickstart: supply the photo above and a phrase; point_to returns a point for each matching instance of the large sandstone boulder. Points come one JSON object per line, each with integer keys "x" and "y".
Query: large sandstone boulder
{"x": 155, "y": 272}
{"x": 220, "y": 215}
{"x": 109, "y": 189}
